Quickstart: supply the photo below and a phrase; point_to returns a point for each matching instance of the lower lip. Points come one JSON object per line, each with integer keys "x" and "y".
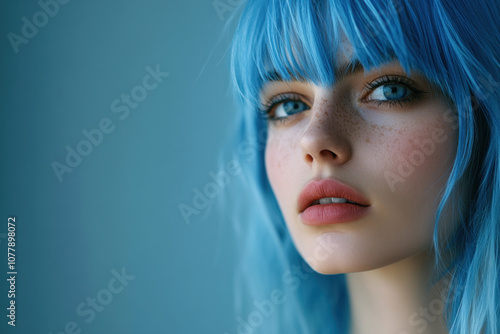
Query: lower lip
{"x": 324, "y": 214}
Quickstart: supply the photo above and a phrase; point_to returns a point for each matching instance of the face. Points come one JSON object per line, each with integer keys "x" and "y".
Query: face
{"x": 383, "y": 133}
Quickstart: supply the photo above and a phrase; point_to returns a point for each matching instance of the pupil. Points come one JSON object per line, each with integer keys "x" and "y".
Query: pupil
{"x": 393, "y": 92}
{"x": 291, "y": 106}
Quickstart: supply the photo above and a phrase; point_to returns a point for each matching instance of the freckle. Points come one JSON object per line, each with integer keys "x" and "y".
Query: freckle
{"x": 368, "y": 140}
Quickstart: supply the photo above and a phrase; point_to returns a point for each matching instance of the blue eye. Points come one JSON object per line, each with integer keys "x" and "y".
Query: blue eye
{"x": 389, "y": 92}
{"x": 392, "y": 90}
{"x": 289, "y": 107}
{"x": 281, "y": 107}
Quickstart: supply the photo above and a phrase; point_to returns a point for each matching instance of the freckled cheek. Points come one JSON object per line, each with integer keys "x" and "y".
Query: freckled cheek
{"x": 274, "y": 163}
{"x": 422, "y": 154}
{"x": 278, "y": 156}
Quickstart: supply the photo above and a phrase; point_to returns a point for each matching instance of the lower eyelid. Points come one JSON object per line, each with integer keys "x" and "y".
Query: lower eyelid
{"x": 283, "y": 120}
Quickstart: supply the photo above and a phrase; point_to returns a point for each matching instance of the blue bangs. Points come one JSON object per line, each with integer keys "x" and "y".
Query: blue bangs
{"x": 302, "y": 40}
{"x": 279, "y": 39}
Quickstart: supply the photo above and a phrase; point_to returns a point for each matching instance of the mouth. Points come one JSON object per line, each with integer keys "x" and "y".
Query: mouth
{"x": 328, "y": 201}
{"x": 328, "y": 191}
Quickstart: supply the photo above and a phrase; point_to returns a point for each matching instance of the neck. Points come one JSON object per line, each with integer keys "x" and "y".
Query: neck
{"x": 398, "y": 298}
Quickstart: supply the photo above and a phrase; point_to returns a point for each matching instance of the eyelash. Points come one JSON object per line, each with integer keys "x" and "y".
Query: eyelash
{"x": 398, "y": 80}
{"x": 265, "y": 109}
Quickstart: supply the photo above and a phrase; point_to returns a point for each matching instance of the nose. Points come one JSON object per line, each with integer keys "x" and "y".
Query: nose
{"x": 325, "y": 140}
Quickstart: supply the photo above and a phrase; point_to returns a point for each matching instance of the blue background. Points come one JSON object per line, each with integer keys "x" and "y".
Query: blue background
{"x": 119, "y": 208}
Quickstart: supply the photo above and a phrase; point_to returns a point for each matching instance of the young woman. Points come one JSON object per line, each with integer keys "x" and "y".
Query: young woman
{"x": 369, "y": 136}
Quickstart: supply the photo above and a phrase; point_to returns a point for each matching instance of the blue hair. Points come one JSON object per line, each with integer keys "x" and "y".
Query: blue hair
{"x": 456, "y": 45}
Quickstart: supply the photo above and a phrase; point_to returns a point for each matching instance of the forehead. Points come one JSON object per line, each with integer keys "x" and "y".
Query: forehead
{"x": 345, "y": 50}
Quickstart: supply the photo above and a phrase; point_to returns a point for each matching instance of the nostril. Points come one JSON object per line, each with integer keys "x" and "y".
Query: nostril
{"x": 325, "y": 145}
{"x": 327, "y": 154}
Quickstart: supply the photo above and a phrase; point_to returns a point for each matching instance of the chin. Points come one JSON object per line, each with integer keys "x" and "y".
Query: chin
{"x": 334, "y": 266}
{"x": 342, "y": 258}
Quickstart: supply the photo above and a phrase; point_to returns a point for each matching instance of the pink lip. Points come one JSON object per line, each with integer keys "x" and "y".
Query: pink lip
{"x": 333, "y": 213}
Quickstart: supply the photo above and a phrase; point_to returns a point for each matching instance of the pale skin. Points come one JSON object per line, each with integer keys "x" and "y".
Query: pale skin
{"x": 345, "y": 132}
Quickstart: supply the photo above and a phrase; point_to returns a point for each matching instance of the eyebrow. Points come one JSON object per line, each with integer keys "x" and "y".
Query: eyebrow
{"x": 346, "y": 70}
{"x": 341, "y": 72}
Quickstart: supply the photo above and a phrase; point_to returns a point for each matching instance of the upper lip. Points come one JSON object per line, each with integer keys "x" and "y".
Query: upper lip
{"x": 322, "y": 188}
